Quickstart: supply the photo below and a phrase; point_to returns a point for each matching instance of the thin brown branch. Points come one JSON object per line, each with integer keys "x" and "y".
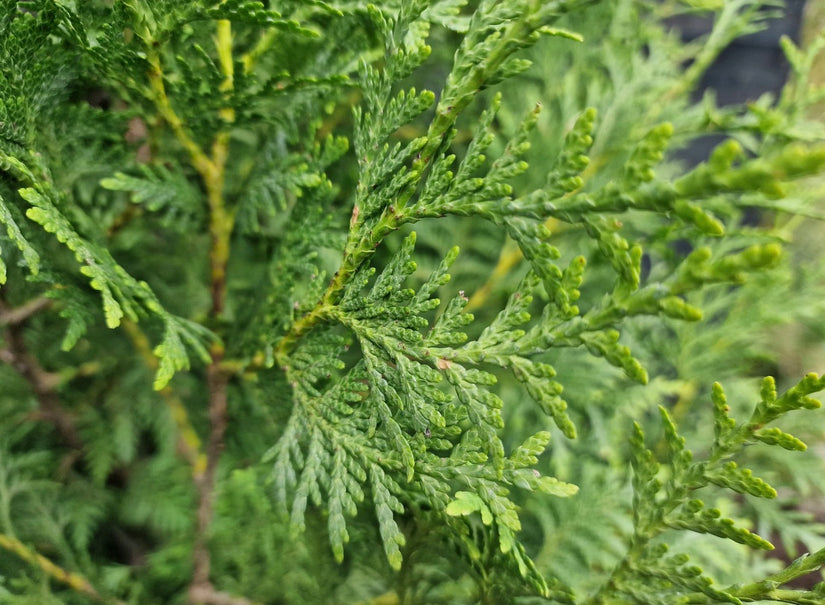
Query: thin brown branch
{"x": 209, "y": 596}
{"x": 42, "y": 382}
{"x": 217, "y": 381}
{"x": 16, "y": 315}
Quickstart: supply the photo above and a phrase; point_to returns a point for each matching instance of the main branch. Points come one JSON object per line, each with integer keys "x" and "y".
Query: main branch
{"x": 212, "y": 170}
{"x": 221, "y": 223}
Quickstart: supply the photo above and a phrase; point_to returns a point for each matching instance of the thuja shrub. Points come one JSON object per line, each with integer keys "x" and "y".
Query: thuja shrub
{"x": 404, "y": 302}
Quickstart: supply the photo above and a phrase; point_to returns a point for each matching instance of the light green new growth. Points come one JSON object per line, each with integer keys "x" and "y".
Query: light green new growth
{"x": 664, "y": 501}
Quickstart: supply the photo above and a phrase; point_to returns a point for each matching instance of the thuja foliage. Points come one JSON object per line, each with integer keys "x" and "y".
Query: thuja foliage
{"x": 404, "y": 302}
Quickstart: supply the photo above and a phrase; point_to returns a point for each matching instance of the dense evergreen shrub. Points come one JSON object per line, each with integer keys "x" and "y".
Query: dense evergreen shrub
{"x": 405, "y": 302}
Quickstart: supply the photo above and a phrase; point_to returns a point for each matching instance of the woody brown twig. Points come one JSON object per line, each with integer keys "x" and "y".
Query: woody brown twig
{"x": 205, "y": 482}
{"x": 43, "y": 383}
{"x": 209, "y": 596}
{"x": 17, "y": 315}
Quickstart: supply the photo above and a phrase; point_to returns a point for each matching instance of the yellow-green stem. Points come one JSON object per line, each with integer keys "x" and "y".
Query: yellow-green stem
{"x": 73, "y": 580}
{"x": 199, "y": 159}
{"x": 221, "y": 221}
{"x": 211, "y": 170}
{"x": 189, "y": 444}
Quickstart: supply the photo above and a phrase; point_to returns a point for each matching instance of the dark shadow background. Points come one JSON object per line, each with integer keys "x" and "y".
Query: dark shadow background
{"x": 750, "y": 67}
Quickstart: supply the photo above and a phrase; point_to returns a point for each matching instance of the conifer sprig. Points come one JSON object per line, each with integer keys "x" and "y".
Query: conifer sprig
{"x": 416, "y": 181}
{"x": 664, "y": 498}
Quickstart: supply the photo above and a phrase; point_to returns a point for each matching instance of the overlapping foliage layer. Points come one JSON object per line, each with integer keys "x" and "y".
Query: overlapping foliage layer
{"x": 299, "y": 305}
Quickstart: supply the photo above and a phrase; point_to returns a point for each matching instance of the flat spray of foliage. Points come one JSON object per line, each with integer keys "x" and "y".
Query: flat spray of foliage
{"x": 233, "y": 373}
